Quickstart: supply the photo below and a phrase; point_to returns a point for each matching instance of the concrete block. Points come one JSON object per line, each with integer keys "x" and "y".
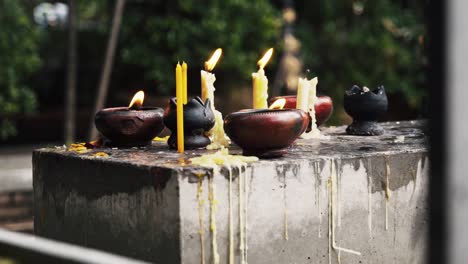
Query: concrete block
{"x": 341, "y": 198}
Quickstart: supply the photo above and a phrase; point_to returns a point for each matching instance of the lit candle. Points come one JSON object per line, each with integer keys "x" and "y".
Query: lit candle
{"x": 260, "y": 83}
{"x": 184, "y": 81}
{"x": 208, "y": 78}
{"x": 217, "y": 135}
{"x": 306, "y": 98}
{"x": 180, "y": 109}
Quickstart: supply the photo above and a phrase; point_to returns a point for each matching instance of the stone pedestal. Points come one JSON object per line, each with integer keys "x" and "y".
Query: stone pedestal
{"x": 371, "y": 207}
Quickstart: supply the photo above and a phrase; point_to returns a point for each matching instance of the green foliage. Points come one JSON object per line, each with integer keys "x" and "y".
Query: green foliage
{"x": 157, "y": 34}
{"x": 366, "y": 43}
{"x": 18, "y": 58}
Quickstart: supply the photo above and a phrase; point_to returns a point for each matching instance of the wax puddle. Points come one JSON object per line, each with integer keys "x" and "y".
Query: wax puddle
{"x": 333, "y": 204}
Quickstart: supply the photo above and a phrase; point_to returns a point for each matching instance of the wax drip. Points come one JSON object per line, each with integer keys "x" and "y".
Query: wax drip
{"x": 338, "y": 193}
{"x": 214, "y": 161}
{"x": 213, "y": 203}
{"x": 414, "y": 174}
{"x": 395, "y": 204}
{"x": 231, "y": 221}
{"x": 201, "y": 202}
{"x": 246, "y": 215}
{"x": 285, "y": 213}
{"x": 331, "y": 216}
{"x": 317, "y": 196}
{"x": 241, "y": 216}
{"x": 330, "y": 201}
{"x": 388, "y": 193}
{"x": 369, "y": 199}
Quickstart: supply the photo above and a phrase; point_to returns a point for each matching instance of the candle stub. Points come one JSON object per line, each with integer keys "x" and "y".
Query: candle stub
{"x": 306, "y": 98}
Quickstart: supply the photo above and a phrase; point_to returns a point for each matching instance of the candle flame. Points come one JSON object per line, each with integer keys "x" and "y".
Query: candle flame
{"x": 278, "y": 104}
{"x": 264, "y": 60}
{"x": 211, "y": 63}
{"x": 137, "y": 100}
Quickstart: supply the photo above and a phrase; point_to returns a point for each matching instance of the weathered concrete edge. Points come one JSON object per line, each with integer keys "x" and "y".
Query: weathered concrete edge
{"x": 161, "y": 173}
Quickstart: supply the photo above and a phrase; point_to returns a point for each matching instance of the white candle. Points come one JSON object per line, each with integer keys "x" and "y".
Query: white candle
{"x": 207, "y": 85}
{"x": 216, "y": 134}
{"x": 308, "y": 89}
{"x": 302, "y": 98}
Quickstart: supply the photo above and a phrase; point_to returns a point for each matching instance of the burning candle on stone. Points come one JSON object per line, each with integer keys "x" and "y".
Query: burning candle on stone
{"x": 217, "y": 135}
{"x": 208, "y": 78}
{"x": 137, "y": 100}
{"x": 266, "y": 133}
{"x": 130, "y": 126}
{"x": 278, "y": 104}
{"x": 260, "y": 83}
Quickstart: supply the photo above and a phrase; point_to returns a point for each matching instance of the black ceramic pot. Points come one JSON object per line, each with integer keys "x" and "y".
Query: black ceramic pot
{"x": 198, "y": 119}
{"x": 124, "y": 127}
{"x": 365, "y": 107}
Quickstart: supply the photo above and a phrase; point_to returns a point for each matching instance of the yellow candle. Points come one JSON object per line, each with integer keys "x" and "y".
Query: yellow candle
{"x": 184, "y": 81}
{"x": 180, "y": 109}
{"x": 260, "y": 83}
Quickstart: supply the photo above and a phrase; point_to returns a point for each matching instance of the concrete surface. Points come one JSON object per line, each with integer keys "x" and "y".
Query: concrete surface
{"x": 16, "y": 168}
{"x": 456, "y": 140}
{"x": 143, "y": 203}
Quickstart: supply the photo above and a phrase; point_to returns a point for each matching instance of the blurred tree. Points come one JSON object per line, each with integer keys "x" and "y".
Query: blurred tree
{"x": 365, "y": 42}
{"x": 19, "y": 41}
{"x": 156, "y": 34}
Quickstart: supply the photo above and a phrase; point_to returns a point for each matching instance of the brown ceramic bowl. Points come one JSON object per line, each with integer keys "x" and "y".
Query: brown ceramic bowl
{"x": 265, "y": 133}
{"x": 323, "y": 106}
{"x": 123, "y": 127}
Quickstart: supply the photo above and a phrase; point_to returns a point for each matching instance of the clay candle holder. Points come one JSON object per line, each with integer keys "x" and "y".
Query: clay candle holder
{"x": 198, "y": 119}
{"x": 266, "y": 133}
{"x": 323, "y": 106}
{"x": 132, "y": 126}
{"x": 365, "y": 107}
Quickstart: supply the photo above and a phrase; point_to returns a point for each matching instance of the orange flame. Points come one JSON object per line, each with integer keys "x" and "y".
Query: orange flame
{"x": 278, "y": 104}
{"x": 211, "y": 63}
{"x": 264, "y": 60}
{"x": 137, "y": 100}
